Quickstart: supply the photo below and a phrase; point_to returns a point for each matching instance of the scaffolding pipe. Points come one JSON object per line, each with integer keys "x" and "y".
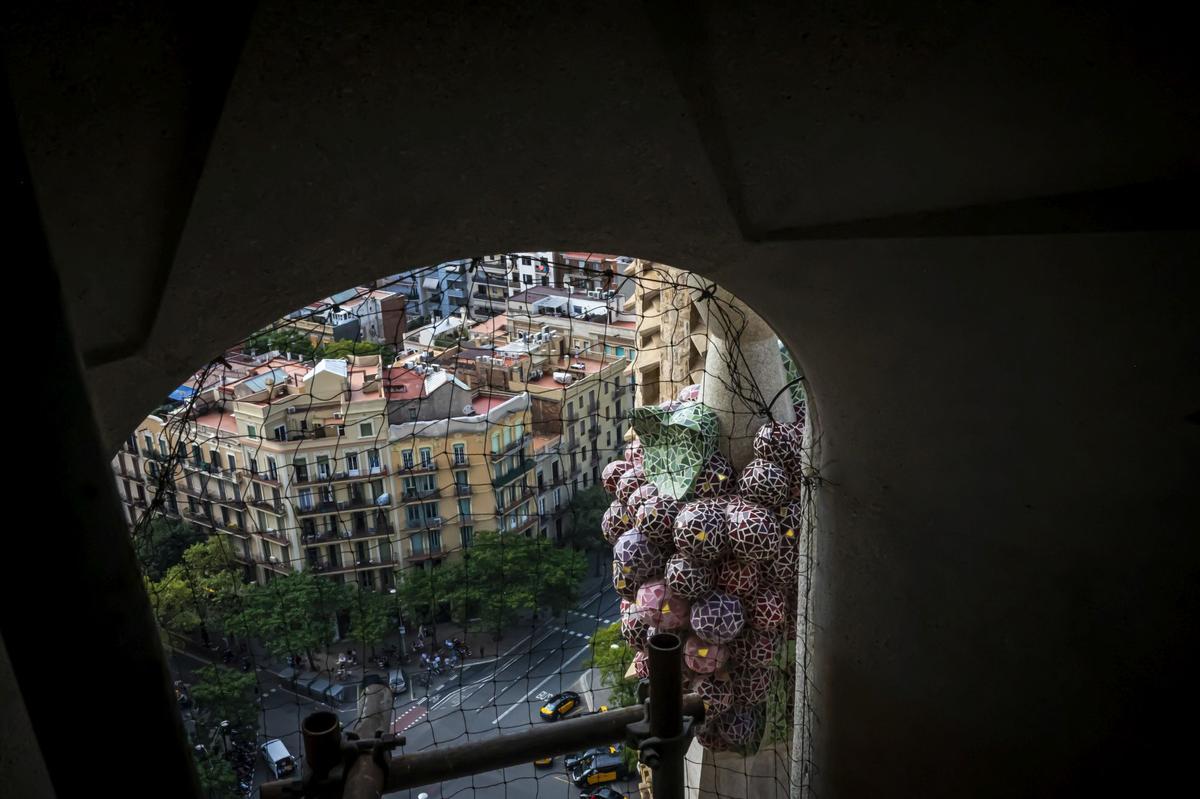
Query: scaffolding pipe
{"x": 666, "y": 713}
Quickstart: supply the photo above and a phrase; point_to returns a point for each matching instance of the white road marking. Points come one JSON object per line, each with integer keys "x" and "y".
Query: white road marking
{"x": 549, "y": 677}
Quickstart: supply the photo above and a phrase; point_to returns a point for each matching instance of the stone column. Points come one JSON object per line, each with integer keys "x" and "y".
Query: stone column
{"x": 743, "y": 372}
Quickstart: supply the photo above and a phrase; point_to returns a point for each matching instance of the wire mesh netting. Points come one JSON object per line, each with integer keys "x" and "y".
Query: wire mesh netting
{"x": 482, "y": 485}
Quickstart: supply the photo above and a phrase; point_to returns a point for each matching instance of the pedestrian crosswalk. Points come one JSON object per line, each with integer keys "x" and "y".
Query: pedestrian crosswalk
{"x": 584, "y": 636}
{"x": 589, "y": 616}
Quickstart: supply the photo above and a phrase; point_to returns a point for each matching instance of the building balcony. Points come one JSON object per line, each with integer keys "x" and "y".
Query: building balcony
{"x": 277, "y": 536}
{"x": 377, "y": 562}
{"x": 513, "y": 474}
{"x": 135, "y": 502}
{"x": 418, "y": 468}
{"x": 198, "y": 516}
{"x": 344, "y": 476}
{"x": 516, "y": 444}
{"x": 425, "y": 554}
{"x": 269, "y": 505}
{"x": 230, "y": 502}
{"x": 273, "y": 563}
{"x": 462, "y": 489}
{"x": 427, "y": 523}
{"x": 417, "y": 496}
{"x": 313, "y": 508}
{"x": 231, "y": 528}
{"x": 316, "y": 539}
{"x": 460, "y": 460}
{"x": 265, "y": 477}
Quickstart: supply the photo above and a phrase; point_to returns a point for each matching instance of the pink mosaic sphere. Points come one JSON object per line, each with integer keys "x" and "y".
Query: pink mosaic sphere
{"x": 649, "y": 601}
{"x": 737, "y": 577}
{"x": 781, "y": 443}
{"x": 783, "y": 570}
{"x": 718, "y": 618}
{"x": 700, "y": 530}
{"x": 641, "y": 664}
{"x": 791, "y": 519}
{"x": 624, "y": 587}
{"x": 750, "y": 685}
{"x": 717, "y": 693}
{"x": 675, "y": 614}
{"x": 711, "y": 733}
{"x": 767, "y": 611}
{"x": 689, "y": 393}
{"x": 638, "y": 559}
{"x": 753, "y": 530}
{"x": 716, "y": 478}
{"x": 688, "y": 580}
{"x": 630, "y": 481}
{"x": 640, "y": 495}
{"x": 612, "y": 473}
{"x": 634, "y": 629}
{"x": 656, "y": 519}
{"x": 743, "y": 726}
{"x": 764, "y": 483}
{"x": 634, "y": 453}
{"x": 754, "y": 649}
{"x": 703, "y": 657}
{"x": 616, "y": 521}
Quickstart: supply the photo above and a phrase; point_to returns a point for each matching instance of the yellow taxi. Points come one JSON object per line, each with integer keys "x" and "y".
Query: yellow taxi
{"x": 560, "y": 705}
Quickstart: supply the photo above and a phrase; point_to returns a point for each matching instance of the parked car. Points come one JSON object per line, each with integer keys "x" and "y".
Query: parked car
{"x": 399, "y": 684}
{"x": 585, "y": 758}
{"x": 544, "y": 762}
{"x": 279, "y": 759}
{"x": 603, "y": 768}
{"x": 603, "y": 792}
{"x": 560, "y": 705}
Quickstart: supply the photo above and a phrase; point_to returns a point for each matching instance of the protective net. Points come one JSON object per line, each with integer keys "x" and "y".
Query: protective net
{"x": 483, "y": 484}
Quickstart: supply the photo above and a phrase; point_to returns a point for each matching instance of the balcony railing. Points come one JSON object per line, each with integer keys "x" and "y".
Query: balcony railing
{"x": 275, "y": 535}
{"x": 427, "y": 523}
{"x": 315, "y": 507}
{"x": 425, "y": 554}
{"x": 460, "y": 460}
{"x": 343, "y": 476}
{"x": 420, "y": 466}
{"x": 423, "y": 493}
{"x": 325, "y": 537}
{"x": 516, "y": 443}
{"x": 265, "y": 477}
{"x": 462, "y": 489}
{"x": 269, "y": 505}
{"x": 513, "y": 474}
{"x": 377, "y": 562}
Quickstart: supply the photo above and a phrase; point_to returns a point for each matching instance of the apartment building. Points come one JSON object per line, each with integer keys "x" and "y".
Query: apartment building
{"x": 671, "y": 337}
{"x": 289, "y": 461}
{"x": 461, "y": 474}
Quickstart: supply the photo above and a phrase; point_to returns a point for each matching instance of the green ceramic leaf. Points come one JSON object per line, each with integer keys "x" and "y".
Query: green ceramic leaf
{"x": 676, "y": 444}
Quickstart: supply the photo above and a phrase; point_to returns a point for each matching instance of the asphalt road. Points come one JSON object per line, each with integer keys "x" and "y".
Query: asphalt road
{"x": 492, "y": 697}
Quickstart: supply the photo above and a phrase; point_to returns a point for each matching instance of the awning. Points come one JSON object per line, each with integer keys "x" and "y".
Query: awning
{"x": 182, "y": 394}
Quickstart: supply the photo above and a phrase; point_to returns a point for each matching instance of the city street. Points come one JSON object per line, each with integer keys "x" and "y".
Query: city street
{"x": 485, "y": 698}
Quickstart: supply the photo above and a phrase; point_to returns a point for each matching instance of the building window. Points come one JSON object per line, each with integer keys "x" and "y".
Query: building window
{"x": 232, "y": 464}
{"x": 323, "y": 467}
{"x": 352, "y": 463}
{"x": 271, "y": 468}
{"x": 412, "y": 414}
{"x": 464, "y": 508}
{"x": 366, "y": 430}
{"x": 251, "y": 431}
{"x": 467, "y": 533}
{"x": 301, "y": 466}
{"x": 426, "y": 457}
{"x": 407, "y": 457}
{"x": 373, "y": 460}
{"x": 460, "y": 454}
{"x": 280, "y": 433}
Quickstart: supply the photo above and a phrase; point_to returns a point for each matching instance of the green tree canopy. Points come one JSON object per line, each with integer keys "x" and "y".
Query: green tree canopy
{"x": 292, "y": 613}
{"x": 199, "y": 592}
{"x": 160, "y": 544}
{"x": 371, "y": 616}
{"x": 224, "y": 694}
{"x": 217, "y": 777}
{"x": 611, "y": 656}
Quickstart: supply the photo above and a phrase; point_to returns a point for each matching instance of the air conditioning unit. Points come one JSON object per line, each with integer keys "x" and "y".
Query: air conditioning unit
{"x": 338, "y": 415}
{"x": 292, "y": 410}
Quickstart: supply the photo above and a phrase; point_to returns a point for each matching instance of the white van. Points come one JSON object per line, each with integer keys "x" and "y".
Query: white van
{"x": 279, "y": 759}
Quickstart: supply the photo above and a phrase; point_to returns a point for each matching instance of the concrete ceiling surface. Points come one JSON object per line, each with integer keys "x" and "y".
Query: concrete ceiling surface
{"x": 1005, "y": 553}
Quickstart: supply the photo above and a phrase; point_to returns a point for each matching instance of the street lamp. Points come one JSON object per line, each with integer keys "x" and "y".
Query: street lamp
{"x": 225, "y": 736}
{"x": 400, "y": 622}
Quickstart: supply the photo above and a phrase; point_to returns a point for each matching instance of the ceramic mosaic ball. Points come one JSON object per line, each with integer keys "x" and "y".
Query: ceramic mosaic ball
{"x": 783, "y": 570}
{"x": 688, "y": 580}
{"x": 633, "y": 479}
{"x": 737, "y": 577}
{"x": 767, "y": 612}
{"x": 711, "y": 733}
{"x": 616, "y": 521}
{"x": 777, "y": 442}
{"x": 754, "y": 649}
{"x": 703, "y": 657}
{"x": 716, "y": 478}
{"x": 656, "y": 519}
{"x": 651, "y": 596}
{"x": 612, "y": 473}
{"x": 743, "y": 726}
{"x": 675, "y": 614}
{"x": 716, "y": 693}
{"x": 638, "y": 559}
{"x": 625, "y": 588}
{"x": 689, "y": 393}
{"x": 750, "y": 685}
{"x": 753, "y": 530}
{"x": 791, "y": 519}
{"x": 764, "y": 483}
{"x": 718, "y": 618}
{"x": 670, "y": 405}
{"x": 640, "y": 495}
{"x": 801, "y": 410}
{"x": 634, "y": 629}
{"x": 641, "y": 665}
{"x": 700, "y": 530}
{"x": 634, "y": 453}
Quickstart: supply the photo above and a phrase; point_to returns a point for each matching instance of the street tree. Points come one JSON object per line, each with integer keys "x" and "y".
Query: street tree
{"x": 611, "y": 656}
{"x": 217, "y": 777}
{"x": 198, "y": 593}
{"x": 224, "y": 694}
{"x": 555, "y": 575}
{"x": 160, "y": 544}
{"x": 371, "y": 617}
{"x": 583, "y": 519}
{"x": 425, "y": 592}
{"x": 292, "y": 613}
